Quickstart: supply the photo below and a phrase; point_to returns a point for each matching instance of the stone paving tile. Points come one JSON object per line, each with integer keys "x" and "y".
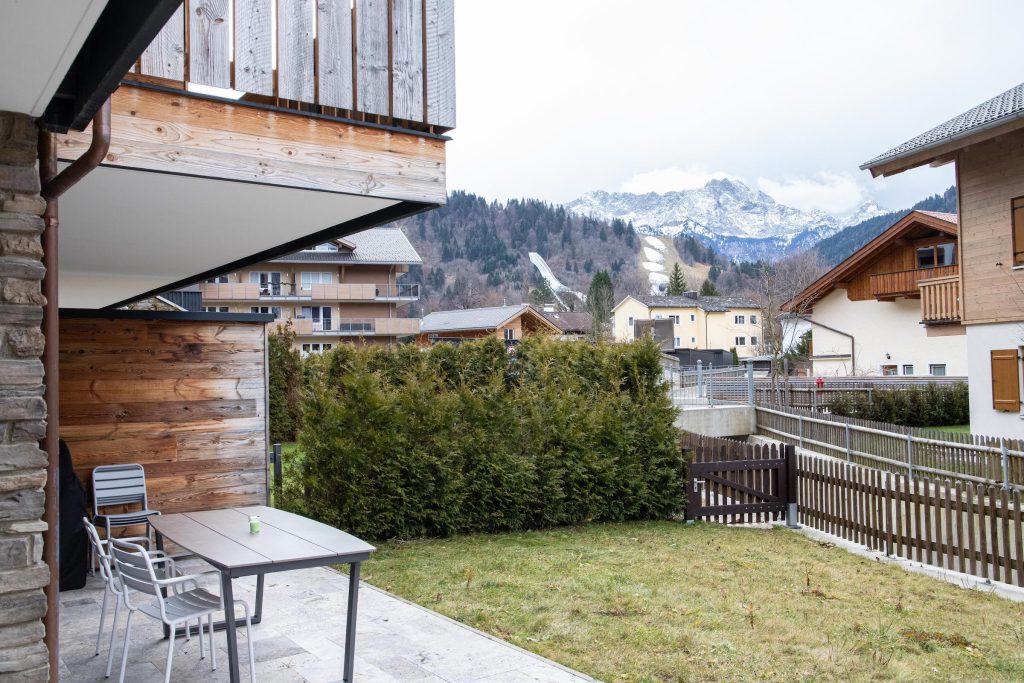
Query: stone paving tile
{"x": 301, "y": 640}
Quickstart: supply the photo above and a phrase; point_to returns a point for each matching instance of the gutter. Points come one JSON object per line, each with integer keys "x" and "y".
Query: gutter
{"x": 53, "y": 185}
{"x": 963, "y": 135}
{"x": 853, "y": 346}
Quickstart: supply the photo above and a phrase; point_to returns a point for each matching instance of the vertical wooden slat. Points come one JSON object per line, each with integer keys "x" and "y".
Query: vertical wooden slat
{"x": 993, "y": 525}
{"x": 334, "y": 54}
{"x": 295, "y": 78}
{"x": 254, "y": 66}
{"x": 971, "y": 525}
{"x": 372, "y": 56}
{"x": 919, "y": 536}
{"x": 983, "y": 530}
{"x": 961, "y": 542}
{"x": 407, "y": 59}
{"x": 887, "y": 497}
{"x": 165, "y": 56}
{"x": 209, "y": 52}
{"x": 947, "y": 535}
{"x": 1006, "y": 546}
{"x": 440, "y": 30}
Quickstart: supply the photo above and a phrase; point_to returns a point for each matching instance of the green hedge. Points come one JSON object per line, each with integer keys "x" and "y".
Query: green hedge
{"x": 933, "y": 405}
{"x": 285, "y": 385}
{"x": 410, "y": 442}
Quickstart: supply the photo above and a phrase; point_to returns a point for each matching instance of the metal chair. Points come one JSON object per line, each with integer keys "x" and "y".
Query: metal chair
{"x": 111, "y": 587}
{"x": 137, "y": 572}
{"x": 120, "y": 485}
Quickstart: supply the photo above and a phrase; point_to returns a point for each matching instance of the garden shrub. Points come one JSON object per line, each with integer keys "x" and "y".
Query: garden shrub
{"x": 284, "y": 385}
{"x": 933, "y": 405}
{"x": 409, "y": 442}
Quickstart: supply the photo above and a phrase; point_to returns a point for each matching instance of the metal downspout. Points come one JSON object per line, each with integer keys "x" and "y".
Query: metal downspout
{"x": 54, "y": 184}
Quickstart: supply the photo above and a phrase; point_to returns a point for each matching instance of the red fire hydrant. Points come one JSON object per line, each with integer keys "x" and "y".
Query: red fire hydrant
{"x": 820, "y": 382}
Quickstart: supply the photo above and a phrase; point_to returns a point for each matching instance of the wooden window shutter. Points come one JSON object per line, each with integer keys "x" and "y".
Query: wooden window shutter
{"x": 1017, "y": 222}
{"x": 1005, "y": 381}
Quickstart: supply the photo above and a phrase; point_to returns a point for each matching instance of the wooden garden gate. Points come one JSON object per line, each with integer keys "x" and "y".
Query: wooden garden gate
{"x": 738, "y": 483}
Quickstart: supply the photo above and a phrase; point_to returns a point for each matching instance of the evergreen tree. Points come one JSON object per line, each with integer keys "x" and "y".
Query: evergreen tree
{"x": 600, "y": 299}
{"x": 676, "y": 281}
{"x": 542, "y": 294}
{"x": 708, "y": 289}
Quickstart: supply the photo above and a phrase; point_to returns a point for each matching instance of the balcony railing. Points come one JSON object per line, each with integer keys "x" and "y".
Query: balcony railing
{"x": 386, "y": 61}
{"x": 363, "y": 292}
{"x": 940, "y": 300}
{"x": 904, "y": 282}
{"x": 357, "y": 326}
{"x": 229, "y": 291}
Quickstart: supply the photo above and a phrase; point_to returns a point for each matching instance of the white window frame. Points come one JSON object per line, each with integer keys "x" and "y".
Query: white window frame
{"x": 679, "y": 342}
{"x": 908, "y": 365}
{"x": 316, "y": 277}
{"x": 753, "y": 341}
{"x": 509, "y": 334}
{"x": 693, "y": 340}
{"x": 739, "y": 320}
{"x": 740, "y": 341}
{"x": 629, "y": 321}
{"x": 216, "y": 309}
{"x": 219, "y": 280}
{"x": 753, "y": 319}
{"x": 931, "y": 369}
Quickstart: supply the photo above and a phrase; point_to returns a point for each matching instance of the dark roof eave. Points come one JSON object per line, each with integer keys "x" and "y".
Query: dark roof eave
{"x": 884, "y": 160}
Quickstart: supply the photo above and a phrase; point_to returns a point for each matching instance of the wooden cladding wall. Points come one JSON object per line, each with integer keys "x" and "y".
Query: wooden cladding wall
{"x": 990, "y": 174}
{"x": 185, "y": 399}
{"x": 385, "y": 58}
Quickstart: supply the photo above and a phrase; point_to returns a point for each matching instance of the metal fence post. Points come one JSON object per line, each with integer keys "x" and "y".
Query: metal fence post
{"x": 848, "y": 454}
{"x": 791, "y": 486}
{"x": 750, "y": 383}
{"x": 711, "y": 384}
{"x": 800, "y": 429}
{"x": 700, "y": 379}
{"x": 1004, "y": 458}
{"x": 278, "y": 478}
{"x": 910, "y": 455}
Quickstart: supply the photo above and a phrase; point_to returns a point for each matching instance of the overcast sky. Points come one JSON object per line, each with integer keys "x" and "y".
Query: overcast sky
{"x": 559, "y": 97}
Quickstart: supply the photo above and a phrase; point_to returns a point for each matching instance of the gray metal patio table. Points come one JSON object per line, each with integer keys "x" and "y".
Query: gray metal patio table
{"x": 286, "y": 541}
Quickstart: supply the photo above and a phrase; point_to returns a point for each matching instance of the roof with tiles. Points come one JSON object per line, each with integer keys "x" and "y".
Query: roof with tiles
{"x": 1003, "y": 107}
{"x": 376, "y": 245}
{"x": 711, "y": 304}
{"x": 486, "y": 318}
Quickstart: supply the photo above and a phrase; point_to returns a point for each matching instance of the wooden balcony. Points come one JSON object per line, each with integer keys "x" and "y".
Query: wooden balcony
{"x": 389, "y": 62}
{"x": 905, "y": 282}
{"x": 940, "y": 300}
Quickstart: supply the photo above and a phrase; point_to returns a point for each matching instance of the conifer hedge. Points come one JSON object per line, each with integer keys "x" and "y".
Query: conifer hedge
{"x": 402, "y": 443}
{"x": 932, "y": 405}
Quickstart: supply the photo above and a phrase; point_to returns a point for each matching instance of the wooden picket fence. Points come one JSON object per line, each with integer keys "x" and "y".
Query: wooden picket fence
{"x": 895, "y": 448}
{"x": 960, "y": 526}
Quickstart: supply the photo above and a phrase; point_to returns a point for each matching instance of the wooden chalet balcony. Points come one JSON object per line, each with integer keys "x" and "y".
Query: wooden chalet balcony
{"x": 387, "y": 62}
{"x": 905, "y": 282}
{"x": 940, "y": 300}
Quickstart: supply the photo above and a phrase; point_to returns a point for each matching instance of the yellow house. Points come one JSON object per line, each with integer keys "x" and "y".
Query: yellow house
{"x": 698, "y": 322}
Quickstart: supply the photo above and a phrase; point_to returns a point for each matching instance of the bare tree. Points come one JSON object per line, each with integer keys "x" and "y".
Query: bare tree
{"x": 778, "y": 284}
{"x": 632, "y": 283}
{"x": 467, "y": 291}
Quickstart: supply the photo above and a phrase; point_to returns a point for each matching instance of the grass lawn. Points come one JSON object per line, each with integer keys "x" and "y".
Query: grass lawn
{"x": 669, "y": 602}
{"x": 959, "y": 429}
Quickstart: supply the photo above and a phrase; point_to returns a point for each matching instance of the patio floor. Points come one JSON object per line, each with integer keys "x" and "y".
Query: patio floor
{"x": 301, "y": 639}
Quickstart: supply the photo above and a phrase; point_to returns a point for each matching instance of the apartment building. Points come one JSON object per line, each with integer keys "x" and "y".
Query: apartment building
{"x": 342, "y": 290}
{"x": 698, "y": 322}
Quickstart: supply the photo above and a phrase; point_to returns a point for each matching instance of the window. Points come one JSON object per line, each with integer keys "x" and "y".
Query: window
{"x": 307, "y": 280}
{"x": 675, "y": 319}
{"x": 269, "y": 282}
{"x": 936, "y": 255}
{"x": 693, "y": 340}
{"x": 315, "y": 347}
{"x": 753, "y": 320}
{"x": 276, "y": 310}
{"x": 741, "y": 341}
{"x": 657, "y": 316}
{"x": 320, "y": 315}
{"x": 510, "y": 334}
{"x": 215, "y": 309}
{"x": 937, "y": 370}
{"x": 630, "y": 323}
{"x": 1017, "y": 221}
{"x": 220, "y": 279}
{"x": 679, "y": 342}
{"x": 693, "y": 317}
{"x": 890, "y": 370}
{"x": 739, "y": 319}
{"x": 753, "y": 341}
{"x": 908, "y": 369}
{"x": 327, "y": 246}
{"x": 1005, "y": 380}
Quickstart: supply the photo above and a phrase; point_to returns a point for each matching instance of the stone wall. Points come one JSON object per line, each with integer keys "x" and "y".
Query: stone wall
{"x": 23, "y": 654}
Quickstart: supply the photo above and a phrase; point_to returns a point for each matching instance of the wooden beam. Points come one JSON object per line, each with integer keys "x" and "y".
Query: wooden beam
{"x": 190, "y": 135}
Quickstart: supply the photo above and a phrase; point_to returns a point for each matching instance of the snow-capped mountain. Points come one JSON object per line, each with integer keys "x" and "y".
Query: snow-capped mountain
{"x": 739, "y": 222}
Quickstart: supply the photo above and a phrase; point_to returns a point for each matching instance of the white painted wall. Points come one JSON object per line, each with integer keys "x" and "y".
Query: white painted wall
{"x": 880, "y": 328}
{"x": 981, "y": 340}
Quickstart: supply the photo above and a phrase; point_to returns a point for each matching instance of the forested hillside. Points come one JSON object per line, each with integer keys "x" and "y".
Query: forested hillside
{"x": 475, "y": 252}
{"x": 840, "y": 245}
